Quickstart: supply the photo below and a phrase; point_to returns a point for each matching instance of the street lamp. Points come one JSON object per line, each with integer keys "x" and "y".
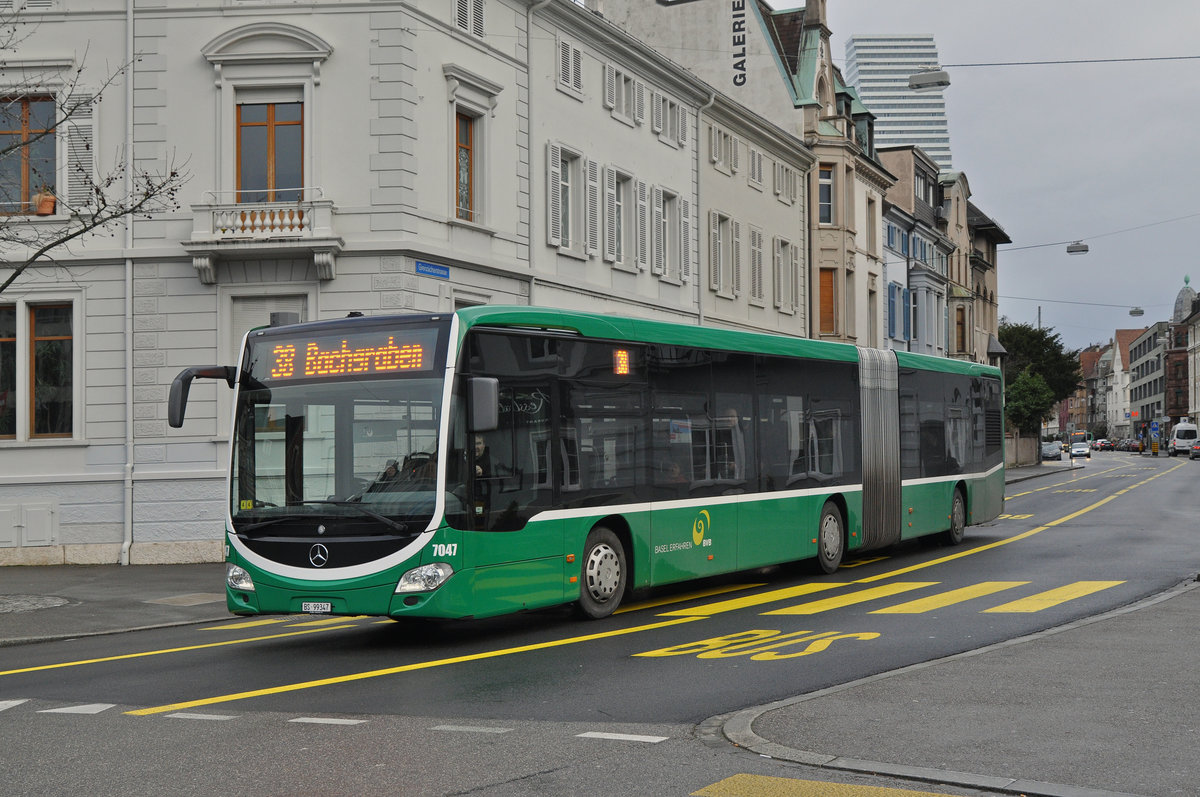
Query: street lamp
{"x": 929, "y": 79}
{"x": 1136, "y": 311}
{"x": 1077, "y": 248}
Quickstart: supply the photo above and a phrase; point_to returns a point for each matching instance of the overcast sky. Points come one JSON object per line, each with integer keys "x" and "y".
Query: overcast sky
{"x": 1072, "y": 151}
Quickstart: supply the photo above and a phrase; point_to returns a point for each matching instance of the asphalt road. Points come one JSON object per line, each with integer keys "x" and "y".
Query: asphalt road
{"x": 1068, "y": 547}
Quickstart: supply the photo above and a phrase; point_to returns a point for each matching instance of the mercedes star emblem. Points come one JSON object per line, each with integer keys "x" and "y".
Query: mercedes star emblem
{"x": 318, "y": 555}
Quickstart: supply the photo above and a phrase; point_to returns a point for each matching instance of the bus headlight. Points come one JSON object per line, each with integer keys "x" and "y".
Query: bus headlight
{"x": 237, "y": 578}
{"x": 425, "y": 578}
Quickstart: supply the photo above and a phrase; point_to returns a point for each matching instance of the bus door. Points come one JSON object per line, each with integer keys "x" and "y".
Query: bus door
{"x": 516, "y": 555}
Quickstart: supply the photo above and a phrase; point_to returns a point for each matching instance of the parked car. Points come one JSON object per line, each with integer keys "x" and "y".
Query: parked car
{"x": 1080, "y": 450}
{"x": 1051, "y": 451}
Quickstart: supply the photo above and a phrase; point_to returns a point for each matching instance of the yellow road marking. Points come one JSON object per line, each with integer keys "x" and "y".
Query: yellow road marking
{"x": 751, "y": 600}
{"x": 172, "y": 650}
{"x": 421, "y": 665}
{"x": 1069, "y": 481}
{"x": 247, "y": 624}
{"x": 783, "y": 594}
{"x": 327, "y": 621}
{"x": 770, "y": 786}
{"x": 690, "y": 596}
{"x": 1052, "y": 597}
{"x": 862, "y": 596}
{"x": 944, "y": 599}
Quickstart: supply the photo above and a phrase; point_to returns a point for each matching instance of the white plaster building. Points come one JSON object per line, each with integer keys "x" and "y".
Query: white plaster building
{"x": 374, "y": 157}
{"x": 780, "y": 65}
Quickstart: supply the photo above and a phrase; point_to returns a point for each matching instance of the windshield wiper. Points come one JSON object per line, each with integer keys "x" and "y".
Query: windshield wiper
{"x": 394, "y": 525}
{"x": 262, "y": 523}
{"x": 387, "y": 521}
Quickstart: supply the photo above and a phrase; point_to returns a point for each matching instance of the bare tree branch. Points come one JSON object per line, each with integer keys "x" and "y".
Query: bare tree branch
{"x": 86, "y": 202}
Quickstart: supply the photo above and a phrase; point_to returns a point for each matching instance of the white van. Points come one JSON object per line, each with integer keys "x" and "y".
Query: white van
{"x": 1183, "y": 436}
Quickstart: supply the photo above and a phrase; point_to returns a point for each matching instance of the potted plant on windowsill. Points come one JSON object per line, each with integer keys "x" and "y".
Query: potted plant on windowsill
{"x": 44, "y": 201}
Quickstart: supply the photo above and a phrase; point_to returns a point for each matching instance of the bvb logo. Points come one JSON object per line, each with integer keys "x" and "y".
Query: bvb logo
{"x": 700, "y": 526}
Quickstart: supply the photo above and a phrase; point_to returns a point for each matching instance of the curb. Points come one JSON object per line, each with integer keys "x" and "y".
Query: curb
{"x": 31, "y": 640}
{"x": 737, "y": 727}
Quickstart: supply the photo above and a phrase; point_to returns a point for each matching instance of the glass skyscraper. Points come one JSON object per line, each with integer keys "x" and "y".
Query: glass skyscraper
{"x": 878, "y": 66}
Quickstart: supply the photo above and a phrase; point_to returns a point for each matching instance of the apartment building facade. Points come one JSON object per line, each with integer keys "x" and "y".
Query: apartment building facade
{"x": 780, "y": 65}
{"x": 389, "y": 157}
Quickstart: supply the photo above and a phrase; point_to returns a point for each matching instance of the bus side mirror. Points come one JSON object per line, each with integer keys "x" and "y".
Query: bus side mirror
{"x": 483, "y": 398}
{"x": 177, "y": 403}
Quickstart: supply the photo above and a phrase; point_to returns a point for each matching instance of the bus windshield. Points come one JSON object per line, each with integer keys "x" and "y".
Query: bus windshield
{"x": 329, "y": 427}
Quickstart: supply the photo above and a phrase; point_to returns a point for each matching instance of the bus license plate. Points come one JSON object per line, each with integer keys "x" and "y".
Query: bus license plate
{"x": 309, "y": 607}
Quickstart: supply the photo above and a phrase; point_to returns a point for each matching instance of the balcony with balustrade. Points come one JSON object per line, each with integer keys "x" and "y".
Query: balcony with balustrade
{"x": 224, "y": 228}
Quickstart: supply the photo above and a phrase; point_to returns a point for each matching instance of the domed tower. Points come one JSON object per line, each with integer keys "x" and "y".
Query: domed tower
{"x": 1183, "y": 302}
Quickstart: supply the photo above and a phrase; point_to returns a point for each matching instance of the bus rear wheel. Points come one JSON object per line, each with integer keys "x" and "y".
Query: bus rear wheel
{"x": 603, "y": 573}
{"x": 831, "y": 538}
{"x": 958, "y": 520}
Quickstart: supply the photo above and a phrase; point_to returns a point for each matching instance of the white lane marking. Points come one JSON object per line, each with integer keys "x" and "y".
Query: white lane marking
{"x": 182, "y": 715}
{"x": 622, "y": 737}
{"x": 469, "y": 729}
{"x": 90, "y": 708}
{"x": 7, "y": 704}
{"x": 327, "y": 721}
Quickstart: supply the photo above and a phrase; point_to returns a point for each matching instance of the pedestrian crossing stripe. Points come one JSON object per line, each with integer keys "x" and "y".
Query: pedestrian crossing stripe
{"x": 944, "y": 599}
{"x": 745, "y": 783}
{"x": 1053, "y": 597}
{"x": 861, "y": 596}
{"x": 1032, "y": 603}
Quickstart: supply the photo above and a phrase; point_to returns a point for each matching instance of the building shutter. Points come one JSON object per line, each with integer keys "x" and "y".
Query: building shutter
{"x": 610, "y": 214}
{"x": 891, "y": 310}
{"x": 81, "y": 150}
{"x": 656, "y": 230}
{"x": 593, "y": 207}
{"x": 714, "y": 250}
{"x": 643, "y": 226}
{"x": 685, "y": 239}
{"x": 736, "y": 248}
{"x": 553, "y": 199}
{"x": 756, "y": 264}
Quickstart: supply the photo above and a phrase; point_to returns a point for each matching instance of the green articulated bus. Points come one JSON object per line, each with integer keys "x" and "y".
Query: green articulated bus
{"x": 497, "y": 459}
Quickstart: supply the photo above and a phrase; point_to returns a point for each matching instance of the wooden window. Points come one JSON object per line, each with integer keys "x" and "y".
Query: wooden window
{"x": 270, "y": 152}
{"x": 27, "y": 136}
{"x": 828, "y": 308}
{"x": 464, "y": 167}
{"x": 51, "y": 373}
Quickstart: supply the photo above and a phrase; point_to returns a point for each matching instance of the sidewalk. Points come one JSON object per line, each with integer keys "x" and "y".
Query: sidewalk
{"x": 43, "y": 603}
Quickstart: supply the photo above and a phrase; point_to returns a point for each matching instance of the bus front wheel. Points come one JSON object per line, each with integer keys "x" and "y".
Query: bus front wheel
{"x": 831, "y": 538}
{"x": 603, "y": 574}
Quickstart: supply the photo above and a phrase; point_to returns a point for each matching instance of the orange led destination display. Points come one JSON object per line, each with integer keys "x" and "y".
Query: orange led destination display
{"x": 358, "y": 354}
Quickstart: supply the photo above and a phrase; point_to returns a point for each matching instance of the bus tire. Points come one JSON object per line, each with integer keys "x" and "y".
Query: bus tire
{"x": 958, "y": 520}
{"x": 602, "y": 575}
{"x": 831, "y": 538}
